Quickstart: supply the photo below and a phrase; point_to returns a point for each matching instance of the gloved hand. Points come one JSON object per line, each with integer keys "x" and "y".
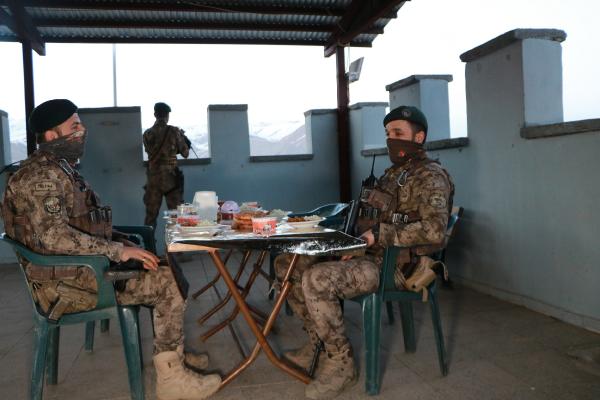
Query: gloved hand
{"x": 187, "y": 141}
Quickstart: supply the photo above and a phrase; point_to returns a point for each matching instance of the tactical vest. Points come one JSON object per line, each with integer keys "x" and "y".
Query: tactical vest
{"x": 87, "y": 215}
{"x": 380, "y": 204}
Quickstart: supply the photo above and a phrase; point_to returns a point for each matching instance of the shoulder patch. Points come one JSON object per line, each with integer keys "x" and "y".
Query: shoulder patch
{"x": 437, "y": 200}
{"x": 52, "y": 204}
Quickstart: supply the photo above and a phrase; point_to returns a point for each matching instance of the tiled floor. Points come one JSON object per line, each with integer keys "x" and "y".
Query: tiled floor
{"x": 496, "y": 350}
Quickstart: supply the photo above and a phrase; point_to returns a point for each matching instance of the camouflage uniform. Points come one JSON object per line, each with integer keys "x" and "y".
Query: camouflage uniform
{"x": 410, "y": 207}
{"x": 50, "y": 208}
{"x": 163, "y": 142}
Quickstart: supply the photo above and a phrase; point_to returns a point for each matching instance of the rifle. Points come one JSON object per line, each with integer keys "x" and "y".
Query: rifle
{"x": 188, "y": 142}
{"x": 367, "y": 185}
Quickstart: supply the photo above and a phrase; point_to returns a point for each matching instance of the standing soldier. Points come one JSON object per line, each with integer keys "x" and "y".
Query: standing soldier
{"x": 51, "y": 209}
{"x": 163, "y": 142}
{"x": 409, "y": 206}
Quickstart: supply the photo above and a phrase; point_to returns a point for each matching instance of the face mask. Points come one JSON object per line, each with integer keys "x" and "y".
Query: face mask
{"x": 401, "y": 150}
{"x": 68, "y": 147}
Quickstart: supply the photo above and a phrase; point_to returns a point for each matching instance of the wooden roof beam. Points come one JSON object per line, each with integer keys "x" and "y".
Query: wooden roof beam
{"x": 359, "y": 17}
{"x": 21, "y": 24}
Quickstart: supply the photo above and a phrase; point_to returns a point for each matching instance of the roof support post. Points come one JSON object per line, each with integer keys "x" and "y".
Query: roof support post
{"x": 29, "y": 93}
{"x": 343, "y": 121}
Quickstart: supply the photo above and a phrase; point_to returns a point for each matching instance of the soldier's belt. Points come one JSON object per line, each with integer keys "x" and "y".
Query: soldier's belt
{"x": 51, "y": 273}
{"x": 167, "y": 163}
{"x": 396, "y": 218}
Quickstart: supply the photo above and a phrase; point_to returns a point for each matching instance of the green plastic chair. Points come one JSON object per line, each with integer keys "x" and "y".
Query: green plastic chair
{"x": 455, "y": 216}
{"x": 371, "y": 311}
{"x": 144, "y": 235}
{"x": 47, "y": 332}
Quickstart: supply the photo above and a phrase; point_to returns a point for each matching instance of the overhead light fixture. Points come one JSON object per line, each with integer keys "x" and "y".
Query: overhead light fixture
{"x": 354, "y": 71}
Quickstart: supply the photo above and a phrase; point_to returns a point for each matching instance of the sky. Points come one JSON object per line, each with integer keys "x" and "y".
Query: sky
{"x": 280, "y": 83}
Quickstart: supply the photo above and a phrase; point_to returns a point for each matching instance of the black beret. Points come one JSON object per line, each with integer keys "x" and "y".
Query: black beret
{"x": 407, "y": 113}
{"x": 50, "y": 114}
{"x": 162, "y": 108}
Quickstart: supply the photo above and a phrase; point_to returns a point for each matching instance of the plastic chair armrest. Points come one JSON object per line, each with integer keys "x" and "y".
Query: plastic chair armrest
{"x": 146, "y": 232}
{"x": 98, "y": 263}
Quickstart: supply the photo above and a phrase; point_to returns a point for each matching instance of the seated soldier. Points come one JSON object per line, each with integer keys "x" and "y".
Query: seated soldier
{"x": 51, "y": 209}
{"x": 408, "y": 207}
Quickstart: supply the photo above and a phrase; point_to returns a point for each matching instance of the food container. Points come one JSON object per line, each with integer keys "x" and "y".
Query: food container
{"x": 250, "y": 206}
{"x": 188, "y": 220}
{"x": 186, "y": 209}
{"x": 264, "y": 225}
{"x": 228, "y": 210}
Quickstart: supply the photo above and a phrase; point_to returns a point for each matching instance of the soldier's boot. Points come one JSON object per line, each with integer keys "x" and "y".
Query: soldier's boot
{"x": 175, "y": 382}
{"x": 194, "y": 360}
{"x": 336, "y": 373}
{"x": 303, "y": 356}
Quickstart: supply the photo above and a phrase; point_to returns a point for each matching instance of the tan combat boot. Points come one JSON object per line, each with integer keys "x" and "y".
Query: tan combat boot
{"x": 303, "y": 356}
{"x": 193, "y": 360}
{"x": 336, "y": 373}
{"x": 175, "y": 382}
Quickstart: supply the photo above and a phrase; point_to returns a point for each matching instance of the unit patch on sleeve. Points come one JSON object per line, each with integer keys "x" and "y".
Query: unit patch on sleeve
{"x": 437, "y": 200}
{"x": 52, "y": 204}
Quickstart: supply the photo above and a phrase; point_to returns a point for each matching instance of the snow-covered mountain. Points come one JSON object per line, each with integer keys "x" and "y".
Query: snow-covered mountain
{"x": 293, "y": 142}
{"x": 286, "y": 137}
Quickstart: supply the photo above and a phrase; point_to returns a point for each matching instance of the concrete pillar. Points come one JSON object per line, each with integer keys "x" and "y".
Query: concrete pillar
{"x": 366, "y": 132}
{"x": 515, "y": 80}
{"x": 5, "y": 156}
{"x": 366, "y": 126}
{"x": 430, "y": 94}
{"x": 228, "y": 131}
{"x": 113, "y": 160}
{"x": 320, "y": 127}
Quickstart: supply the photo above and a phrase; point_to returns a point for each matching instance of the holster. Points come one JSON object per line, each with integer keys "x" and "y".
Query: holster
{"x": 422, "y": 276}
{"x": 57, "y": 298}
{"x": 39, "y": 273}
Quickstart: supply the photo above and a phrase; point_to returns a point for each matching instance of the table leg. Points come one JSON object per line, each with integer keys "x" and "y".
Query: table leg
{"x": 213, "y": 281}
{"x": 260, "y": 335}
{"x": 227, "y": 297}
{"x": 244, "y": 294}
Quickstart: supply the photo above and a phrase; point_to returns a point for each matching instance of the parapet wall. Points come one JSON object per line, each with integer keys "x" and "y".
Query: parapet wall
{"x": 527, "y": 179}
{"x": 530, "y": 229}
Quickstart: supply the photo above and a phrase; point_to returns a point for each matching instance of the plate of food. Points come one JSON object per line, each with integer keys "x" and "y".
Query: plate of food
{"x": 278, "y": 214}
{"x": 243, "y": 220}
{"x": 202, "y": 229}
{"x": 304, "y": 222}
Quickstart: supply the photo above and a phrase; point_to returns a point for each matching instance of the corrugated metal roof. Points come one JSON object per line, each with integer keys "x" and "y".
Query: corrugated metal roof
{"x": 301, "y": 22}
